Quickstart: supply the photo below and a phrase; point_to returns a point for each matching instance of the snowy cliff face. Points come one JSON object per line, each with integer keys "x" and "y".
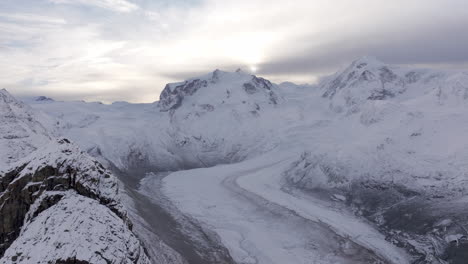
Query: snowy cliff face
{"x": 20, "y": 133}
{"x": 57, "y": 204}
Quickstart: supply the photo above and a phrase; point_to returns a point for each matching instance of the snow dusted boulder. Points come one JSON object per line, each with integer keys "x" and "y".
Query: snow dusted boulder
{"x": 59, "y": 205}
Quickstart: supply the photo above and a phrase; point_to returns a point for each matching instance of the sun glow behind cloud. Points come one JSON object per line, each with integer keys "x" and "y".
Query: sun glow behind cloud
{"x": 128, "y": 49}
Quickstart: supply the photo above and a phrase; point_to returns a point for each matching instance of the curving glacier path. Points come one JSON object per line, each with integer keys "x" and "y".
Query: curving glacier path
{"x": 260, "y": 220}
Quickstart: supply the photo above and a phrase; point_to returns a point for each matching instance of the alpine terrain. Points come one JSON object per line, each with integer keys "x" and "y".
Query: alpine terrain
{"x": 370, "y": 165}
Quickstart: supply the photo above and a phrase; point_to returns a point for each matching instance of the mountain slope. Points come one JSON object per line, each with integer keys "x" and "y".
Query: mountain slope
{"x": 60, "y": 205}
{"x": 57, "y": 204}
{"x": 20, "y": 132}
{"x": 220, "y": 117}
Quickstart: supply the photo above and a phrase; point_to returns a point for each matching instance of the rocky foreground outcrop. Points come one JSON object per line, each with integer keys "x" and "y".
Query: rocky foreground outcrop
{"x": 60, "y": 205}
{"x": 57, "y": 203}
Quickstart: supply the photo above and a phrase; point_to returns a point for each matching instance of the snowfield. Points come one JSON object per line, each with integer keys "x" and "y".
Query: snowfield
{"x": 368, "y": 166}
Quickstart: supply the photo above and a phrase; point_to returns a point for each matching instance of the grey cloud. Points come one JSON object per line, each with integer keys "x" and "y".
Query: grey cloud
{"x": 438, "y": 42}
{"x": 182, "y": 75}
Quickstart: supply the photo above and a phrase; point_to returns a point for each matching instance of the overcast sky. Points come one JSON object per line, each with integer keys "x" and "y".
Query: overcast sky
{"x": 110, "y": 50}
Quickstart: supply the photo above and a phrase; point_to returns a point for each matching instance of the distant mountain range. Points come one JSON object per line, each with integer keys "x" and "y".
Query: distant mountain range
{"x": 367, "y": 166}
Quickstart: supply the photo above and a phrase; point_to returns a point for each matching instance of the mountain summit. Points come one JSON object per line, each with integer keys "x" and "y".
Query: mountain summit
{"x": 218, "y": 88}
{"x": 368, "y": 79}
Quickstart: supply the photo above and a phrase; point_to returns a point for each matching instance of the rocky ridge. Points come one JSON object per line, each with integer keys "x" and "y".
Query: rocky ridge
{"x": 57, "y": 203}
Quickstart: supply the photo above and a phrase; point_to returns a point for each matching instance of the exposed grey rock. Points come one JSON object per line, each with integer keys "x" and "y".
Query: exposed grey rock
{"x": 43, "y": 99}
{"x": 173, "y": 94}
{"x": 62, "y": 174}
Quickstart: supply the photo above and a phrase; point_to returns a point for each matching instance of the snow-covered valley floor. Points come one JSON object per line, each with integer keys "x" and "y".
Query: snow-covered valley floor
{"x": 258, "y": 222}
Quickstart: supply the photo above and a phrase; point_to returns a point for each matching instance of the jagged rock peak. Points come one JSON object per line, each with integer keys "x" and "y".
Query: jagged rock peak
{"x": 221, "y": 83}
{"x": 43, "y": 99}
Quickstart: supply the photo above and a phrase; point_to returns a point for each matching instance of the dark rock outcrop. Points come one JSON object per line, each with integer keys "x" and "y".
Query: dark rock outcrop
{"x": 171, "y": 97}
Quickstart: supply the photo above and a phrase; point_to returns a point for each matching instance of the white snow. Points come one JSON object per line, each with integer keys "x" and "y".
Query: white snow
{"x": 370, "y": 121}
{"x": 75, "y": 228}
{"x": 20, "y": 133}
{"x": 232, "y": 199}
{"x": 88, "y": 222}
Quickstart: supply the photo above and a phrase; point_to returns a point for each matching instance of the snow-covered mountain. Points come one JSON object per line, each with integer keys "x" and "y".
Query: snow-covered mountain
{"x": 368, "y": 79}
{"x": 368, "y": 166}
{"x": 20, "y": 132}
{"x": 218, "y": 88}
{"x": 235, "y": 107}
{"x": 171, "y": 133}
{"x": 57, "y": 203}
